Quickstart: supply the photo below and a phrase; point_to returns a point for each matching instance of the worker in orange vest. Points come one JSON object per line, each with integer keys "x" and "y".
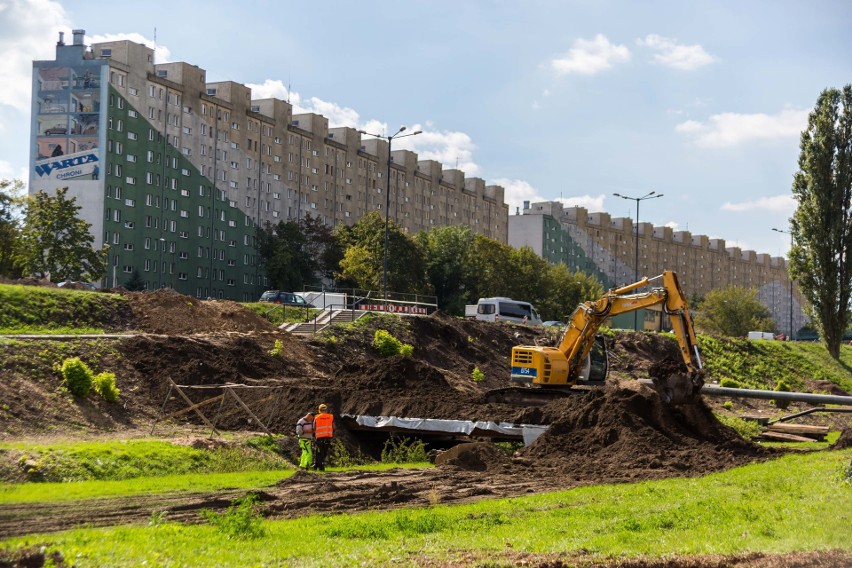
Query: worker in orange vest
{"x": 323, "y": 433}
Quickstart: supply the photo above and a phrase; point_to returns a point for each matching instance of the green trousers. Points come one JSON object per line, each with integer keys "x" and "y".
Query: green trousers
{"x": 307, "y": 459}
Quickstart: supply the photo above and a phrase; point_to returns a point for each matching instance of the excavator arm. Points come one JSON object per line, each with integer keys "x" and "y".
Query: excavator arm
{"x": 564, "y": 365}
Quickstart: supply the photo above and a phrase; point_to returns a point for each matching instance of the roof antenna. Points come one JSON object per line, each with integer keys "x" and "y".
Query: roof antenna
{"x": 155, "y": 46}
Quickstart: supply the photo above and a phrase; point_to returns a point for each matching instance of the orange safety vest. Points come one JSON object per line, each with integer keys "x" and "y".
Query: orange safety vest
{"x": 323, "y": 425}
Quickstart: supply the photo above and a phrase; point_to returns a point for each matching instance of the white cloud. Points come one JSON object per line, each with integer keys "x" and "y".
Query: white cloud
{"x": 593, "y": 203}
{"x": 7, "y": 171}
{"x": 776, "y": 204}
{"x": 30, "y": 31}
{"x": 588, "y": 57}
{"x": 672, "y": 54}
{"x": 731, "y": 129}
{"x": 516, "y": 192}
{"x": 161, "y": 52}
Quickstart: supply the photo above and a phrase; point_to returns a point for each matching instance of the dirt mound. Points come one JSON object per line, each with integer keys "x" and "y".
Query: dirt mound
{"x": 168, "y": 312}
{"x": 634, "y": 355}
{"x": 474, "y": 456}
{"x": 396, "y": 373}
{"x": 629, "y": 433}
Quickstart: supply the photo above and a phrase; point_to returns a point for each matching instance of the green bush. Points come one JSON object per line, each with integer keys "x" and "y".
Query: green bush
{"x": 339, "y": 456}
{"x": 278, "y": 349}
{"x": 388, "y": 345}
{"x": 477, "y": 375}
{"x": 77, "y": 375}
{"x": 403, "y": 450}
{"x": 243, "y": 519}
{"x": 104, "y": 385}
{"x": 728, "y": 405}
{"x": 730, "y": 384}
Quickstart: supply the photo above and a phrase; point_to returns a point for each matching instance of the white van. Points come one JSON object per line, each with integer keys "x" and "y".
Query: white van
{"x": 506, "y": 309}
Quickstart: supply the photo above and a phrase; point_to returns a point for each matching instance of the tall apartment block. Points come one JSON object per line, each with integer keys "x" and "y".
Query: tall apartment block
{"x": 606, "y": 247}
{"x": 175, "y": 173}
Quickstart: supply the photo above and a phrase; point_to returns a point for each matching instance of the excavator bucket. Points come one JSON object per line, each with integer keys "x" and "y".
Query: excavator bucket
{"x": 679, "y": 388}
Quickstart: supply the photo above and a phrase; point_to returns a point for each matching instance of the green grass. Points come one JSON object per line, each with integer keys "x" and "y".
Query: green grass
{"x": 33, "y": 309}
{"x": 121, "y": 460}
{"x": 761, "y": 364}
{"x": 799, "y": 502}
{"x": 190, "y": 482}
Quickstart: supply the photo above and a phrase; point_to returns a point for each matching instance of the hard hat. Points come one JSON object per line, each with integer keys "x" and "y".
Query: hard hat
{"x": 322, "y": 408}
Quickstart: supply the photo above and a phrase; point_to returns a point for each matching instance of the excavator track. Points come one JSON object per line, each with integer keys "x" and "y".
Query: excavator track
{"x": 530, "y": 396}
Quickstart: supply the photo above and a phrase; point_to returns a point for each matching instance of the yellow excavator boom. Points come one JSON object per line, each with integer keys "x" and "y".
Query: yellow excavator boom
{"x": 565, "y": 364}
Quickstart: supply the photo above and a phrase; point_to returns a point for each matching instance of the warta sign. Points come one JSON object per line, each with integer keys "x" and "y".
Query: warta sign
{"x": 72, "y": 166}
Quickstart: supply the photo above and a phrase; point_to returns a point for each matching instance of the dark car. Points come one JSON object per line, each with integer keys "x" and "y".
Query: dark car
{"x": 58, "y": 129}
{"x": 284, "y": 298}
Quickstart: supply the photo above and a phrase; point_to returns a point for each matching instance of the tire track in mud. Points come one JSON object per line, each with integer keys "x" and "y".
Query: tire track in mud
{"x": 304, "y": 493}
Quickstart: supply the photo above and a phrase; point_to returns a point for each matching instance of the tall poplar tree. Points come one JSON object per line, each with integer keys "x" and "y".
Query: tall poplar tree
{"x": 821, "y": 226}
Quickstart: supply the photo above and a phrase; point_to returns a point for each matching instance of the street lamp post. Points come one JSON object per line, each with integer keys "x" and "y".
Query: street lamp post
{"x": 791, "y": 279}
{"x": 398, "y": 134}
{"x": 652, "y": 195}
{"x": 160, "y": 267}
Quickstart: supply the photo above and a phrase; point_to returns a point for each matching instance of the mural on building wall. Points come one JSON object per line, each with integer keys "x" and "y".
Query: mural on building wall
{"x": 68, "y": 104}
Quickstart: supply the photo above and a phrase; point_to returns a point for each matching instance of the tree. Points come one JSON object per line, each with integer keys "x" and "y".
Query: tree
{"x": 364, "y": 266}
{"x": 821, "y": 226}
{"x": 565, "y": 291}
{"x": 447, "y": 254}
{"x": 285, "y": 256}
{"x": 488, "y": 272}
{"x": 136, "y": 283}
{"x": 734, "y": 312}
{"x": 55, "y": 240}
{"x": 10, "y": 229}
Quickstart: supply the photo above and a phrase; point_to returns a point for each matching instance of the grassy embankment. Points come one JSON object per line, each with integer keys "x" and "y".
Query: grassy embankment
{"x": 762, "y": 364}
{"x": 40, "y": 310}
{"x": 800, "y": 502}
{"x": 37, "y": 310}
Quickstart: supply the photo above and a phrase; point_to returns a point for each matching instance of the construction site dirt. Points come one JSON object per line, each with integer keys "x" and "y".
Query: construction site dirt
{"x": 619, "y": 433}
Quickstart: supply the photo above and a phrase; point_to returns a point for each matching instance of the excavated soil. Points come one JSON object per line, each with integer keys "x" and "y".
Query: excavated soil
{"x": 618, "y": 434}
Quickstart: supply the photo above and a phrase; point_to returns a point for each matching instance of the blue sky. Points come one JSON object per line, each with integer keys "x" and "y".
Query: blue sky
{"x": 702, "y": 101}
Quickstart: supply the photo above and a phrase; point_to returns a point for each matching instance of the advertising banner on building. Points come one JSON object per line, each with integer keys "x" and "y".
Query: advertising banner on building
{"x": 83, "y": 165}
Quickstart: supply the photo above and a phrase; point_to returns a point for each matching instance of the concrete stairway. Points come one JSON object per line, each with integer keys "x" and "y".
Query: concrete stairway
{"x": 323, "y": 319}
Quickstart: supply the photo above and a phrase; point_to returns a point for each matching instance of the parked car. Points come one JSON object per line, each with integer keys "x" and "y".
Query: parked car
{"x": 284, "y": 298}
{"x": 58, "y": 129}
{"x": 554, "y": 323}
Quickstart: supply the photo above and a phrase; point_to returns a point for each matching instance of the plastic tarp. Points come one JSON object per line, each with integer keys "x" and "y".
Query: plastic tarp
{"x": 527, "y": 432}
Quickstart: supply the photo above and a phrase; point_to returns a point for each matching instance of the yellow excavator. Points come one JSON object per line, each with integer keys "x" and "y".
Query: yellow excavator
{"x": 580, "y": 357}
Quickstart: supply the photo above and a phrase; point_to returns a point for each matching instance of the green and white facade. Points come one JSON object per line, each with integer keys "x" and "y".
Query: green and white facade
{"x": 137, "y": 186}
